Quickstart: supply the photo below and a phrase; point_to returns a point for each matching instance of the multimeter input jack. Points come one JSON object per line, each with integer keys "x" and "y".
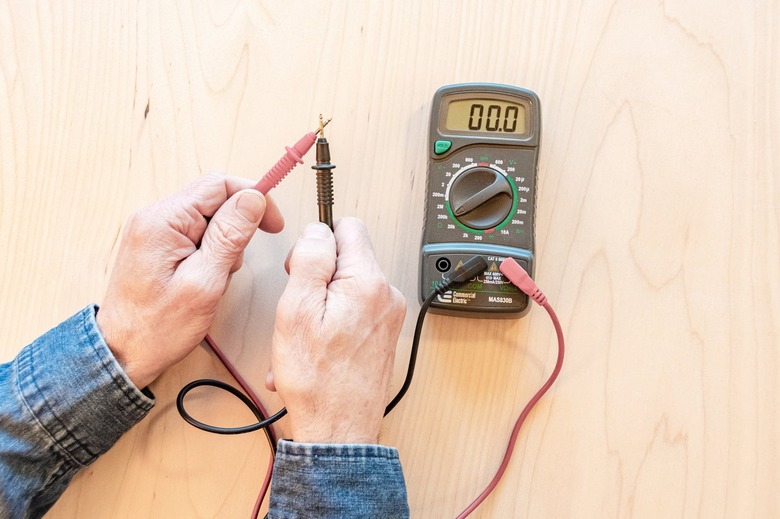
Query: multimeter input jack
{"x": 443, "y": 265}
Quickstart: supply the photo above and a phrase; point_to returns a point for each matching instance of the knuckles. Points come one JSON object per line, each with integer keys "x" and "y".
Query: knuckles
{"x": 139, "y": 226}
{"x": 377, "y": 298}
{"x": 203, "y": 290}
{"x": 398, "y": 303}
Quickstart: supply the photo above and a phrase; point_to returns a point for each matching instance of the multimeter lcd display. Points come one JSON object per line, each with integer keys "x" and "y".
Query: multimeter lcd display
{"x": 485, "y": 115}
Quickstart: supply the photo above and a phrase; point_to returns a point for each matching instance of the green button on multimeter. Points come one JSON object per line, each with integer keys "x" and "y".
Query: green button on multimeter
{"x": 440, "y": 147}
{"x": 480, "y": 195}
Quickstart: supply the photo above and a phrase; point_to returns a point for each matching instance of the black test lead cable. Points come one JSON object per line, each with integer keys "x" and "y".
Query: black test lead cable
{"x": 324, "y": 170}
{"x": 470, "y": 269}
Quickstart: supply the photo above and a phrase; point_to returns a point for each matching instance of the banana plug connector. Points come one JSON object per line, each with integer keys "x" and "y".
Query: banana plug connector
{"x": 324, "y": 170}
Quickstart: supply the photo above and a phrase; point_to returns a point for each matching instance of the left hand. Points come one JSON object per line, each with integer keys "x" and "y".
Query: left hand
{"x": 172, "y": 268}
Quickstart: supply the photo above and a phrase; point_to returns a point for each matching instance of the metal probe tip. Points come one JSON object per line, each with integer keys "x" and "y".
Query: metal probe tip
{"x": 323, "y": 124}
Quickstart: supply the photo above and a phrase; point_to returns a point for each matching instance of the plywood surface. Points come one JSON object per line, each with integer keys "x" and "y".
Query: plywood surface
{"x": 657, "y": 233}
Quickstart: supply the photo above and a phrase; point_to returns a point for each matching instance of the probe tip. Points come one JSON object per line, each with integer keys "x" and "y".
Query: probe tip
{"x": 323, "y": 124}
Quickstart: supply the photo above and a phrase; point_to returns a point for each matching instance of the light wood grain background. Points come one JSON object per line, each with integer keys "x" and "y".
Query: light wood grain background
{"x": 657, "y": 233}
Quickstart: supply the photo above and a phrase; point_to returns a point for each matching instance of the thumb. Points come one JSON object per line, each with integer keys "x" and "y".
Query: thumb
{"x": 311, "y": 264}
{"x": 231, "y": 229}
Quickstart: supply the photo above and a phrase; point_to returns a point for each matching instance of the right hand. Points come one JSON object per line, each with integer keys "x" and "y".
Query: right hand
{"x": 337, "y": 325}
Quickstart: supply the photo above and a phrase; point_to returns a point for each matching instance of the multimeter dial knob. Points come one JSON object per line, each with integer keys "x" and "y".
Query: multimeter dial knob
{"x": 480, "y": 198}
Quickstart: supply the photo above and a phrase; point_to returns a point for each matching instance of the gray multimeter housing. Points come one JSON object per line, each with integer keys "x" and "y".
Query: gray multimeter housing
{"x": 480, "y": 195}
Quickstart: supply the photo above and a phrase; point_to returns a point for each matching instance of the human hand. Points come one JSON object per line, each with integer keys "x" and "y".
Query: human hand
{"x": 173, "y": 266}
{"x": 337, "y": 325}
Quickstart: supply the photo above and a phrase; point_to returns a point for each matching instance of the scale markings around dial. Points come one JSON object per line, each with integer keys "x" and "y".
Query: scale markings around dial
{"x": 480, "y": 198}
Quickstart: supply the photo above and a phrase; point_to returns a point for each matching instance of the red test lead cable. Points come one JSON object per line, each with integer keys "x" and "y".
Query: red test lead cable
{"x": 520, "y": 278}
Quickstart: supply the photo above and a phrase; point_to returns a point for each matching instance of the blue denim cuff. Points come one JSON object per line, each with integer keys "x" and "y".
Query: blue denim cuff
{"x": 76, "y": 391}
{"x": 337, "y": 480}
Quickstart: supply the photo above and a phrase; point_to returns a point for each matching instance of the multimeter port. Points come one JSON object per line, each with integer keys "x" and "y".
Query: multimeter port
{"x": 480, "y": 195}
{"x": 443, "y": 265}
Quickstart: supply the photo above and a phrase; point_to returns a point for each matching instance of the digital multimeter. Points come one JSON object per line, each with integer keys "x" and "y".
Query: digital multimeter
{"x": 480, "y": 195}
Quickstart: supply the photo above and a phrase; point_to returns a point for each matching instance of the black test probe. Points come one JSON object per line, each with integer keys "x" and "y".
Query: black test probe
{"x": 324, "y": 168}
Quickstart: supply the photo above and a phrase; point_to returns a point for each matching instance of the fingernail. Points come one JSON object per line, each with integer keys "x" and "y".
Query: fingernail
{"x": 318, "y": 231}
{"x": 250, "y": 205}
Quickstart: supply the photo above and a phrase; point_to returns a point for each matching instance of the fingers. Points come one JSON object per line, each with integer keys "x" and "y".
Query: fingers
{"x": 189, "y": 209}
{"x": 227, "y": 235}
{"x": 312, "y": 262}
{"x": 270, "y": 385}
{"x": 311, "y": 265}
{"x": 208, "y": 192}
{"x": 237, "y": 264}
{"x": 273, "y": 221}
{"x": 355, "y": 252}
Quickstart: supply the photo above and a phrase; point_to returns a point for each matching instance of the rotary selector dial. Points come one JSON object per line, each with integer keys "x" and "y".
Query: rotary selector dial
{"x": 480, "y": 197}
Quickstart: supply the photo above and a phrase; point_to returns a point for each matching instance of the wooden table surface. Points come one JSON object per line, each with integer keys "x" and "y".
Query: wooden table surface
{"x": 657, "y": 234}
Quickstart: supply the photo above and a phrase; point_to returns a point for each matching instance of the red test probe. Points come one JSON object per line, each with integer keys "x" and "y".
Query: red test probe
{"x": 293, "y": 156}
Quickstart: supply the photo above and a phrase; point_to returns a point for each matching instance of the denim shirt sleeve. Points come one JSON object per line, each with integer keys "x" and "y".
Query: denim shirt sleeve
{"x": 346, "y": 481}
{"x": 65, "y": 401}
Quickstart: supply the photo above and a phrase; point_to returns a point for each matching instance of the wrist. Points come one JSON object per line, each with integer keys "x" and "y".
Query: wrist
{"x": 345, "y": 432}
{"x": 120, "y": 341}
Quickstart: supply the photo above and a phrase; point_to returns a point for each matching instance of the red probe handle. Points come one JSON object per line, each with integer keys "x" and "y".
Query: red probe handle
{"x": 286, "y": 163}
{"x": 520, "y": 278}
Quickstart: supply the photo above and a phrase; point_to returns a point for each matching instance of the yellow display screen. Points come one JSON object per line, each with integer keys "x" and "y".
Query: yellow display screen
{"x": 485, "y": 115}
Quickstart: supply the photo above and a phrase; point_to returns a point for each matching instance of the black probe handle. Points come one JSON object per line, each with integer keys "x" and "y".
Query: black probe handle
{"x": 324, "y": 168}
